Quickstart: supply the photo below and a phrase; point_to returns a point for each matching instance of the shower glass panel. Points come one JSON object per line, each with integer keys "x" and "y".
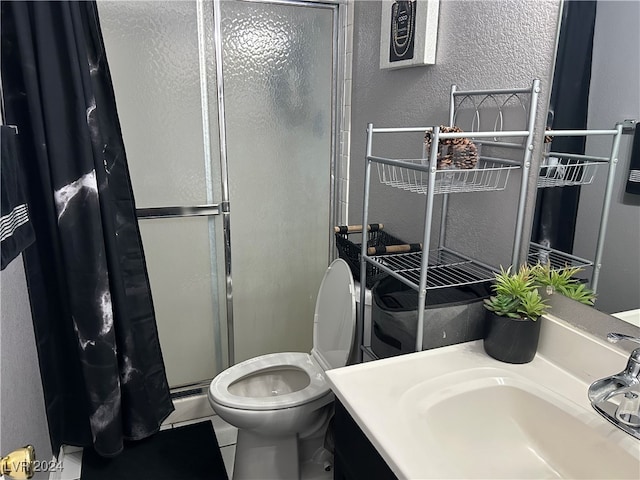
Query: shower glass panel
{"x": 178, "y": 258}
{"x": 278, "y": 64}
{"x": 152, "y": 49}
{"x": 154, "y": 57}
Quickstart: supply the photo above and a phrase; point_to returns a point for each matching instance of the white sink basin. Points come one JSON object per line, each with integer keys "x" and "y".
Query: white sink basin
{"x": 454, "y": 412}
{"x": 508, "y": 427}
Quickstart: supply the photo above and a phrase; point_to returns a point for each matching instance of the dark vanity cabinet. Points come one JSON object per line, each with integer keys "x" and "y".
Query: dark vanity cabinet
{"x": 355, "y": 457}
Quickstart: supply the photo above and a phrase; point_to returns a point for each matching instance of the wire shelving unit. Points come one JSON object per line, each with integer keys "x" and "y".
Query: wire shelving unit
{"x": 438, "y": 266}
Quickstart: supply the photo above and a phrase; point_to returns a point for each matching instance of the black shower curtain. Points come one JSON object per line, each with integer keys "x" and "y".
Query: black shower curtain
{"x": 101, "y": 365}
{"x": 557, "y": 208}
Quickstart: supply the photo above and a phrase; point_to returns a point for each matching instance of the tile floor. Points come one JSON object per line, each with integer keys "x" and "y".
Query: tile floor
{"x": 226, "y": 434}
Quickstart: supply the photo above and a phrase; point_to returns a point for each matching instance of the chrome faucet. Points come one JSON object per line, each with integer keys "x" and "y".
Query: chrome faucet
{"x": 617, "y": 398}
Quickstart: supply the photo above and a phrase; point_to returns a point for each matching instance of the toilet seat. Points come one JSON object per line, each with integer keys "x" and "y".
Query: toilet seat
{"x": 219, "y": 390}
{"x": 333, "y": 334}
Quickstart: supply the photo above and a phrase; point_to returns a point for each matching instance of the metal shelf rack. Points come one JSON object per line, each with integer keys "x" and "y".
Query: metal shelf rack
{"x": 438, "y": 266}
{"x": 559, "y": 169}
{"x": 446, "y": 268}
{"x": 557, "y": 259}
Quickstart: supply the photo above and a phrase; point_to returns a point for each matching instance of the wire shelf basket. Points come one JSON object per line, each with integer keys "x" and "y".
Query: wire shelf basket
{"x": 554, "y": 258}
{"x": 487, "y": 176}
{"x": 564, "y": 172}
{"x": 349, "y": 250}
{"x": 446, "y": 268}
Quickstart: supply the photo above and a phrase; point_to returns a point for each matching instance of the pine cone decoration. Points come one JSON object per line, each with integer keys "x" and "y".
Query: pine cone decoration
{"x": 454, "y": 152}
{"x": 466, "y": 155}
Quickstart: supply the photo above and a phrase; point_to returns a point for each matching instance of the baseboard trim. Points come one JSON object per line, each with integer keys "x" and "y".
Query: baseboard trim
{"x": 189, "y": 408}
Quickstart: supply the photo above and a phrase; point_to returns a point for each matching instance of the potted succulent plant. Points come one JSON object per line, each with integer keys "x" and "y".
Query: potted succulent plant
{"x": 562, "y": 281}
{"x": 512, "y": 328}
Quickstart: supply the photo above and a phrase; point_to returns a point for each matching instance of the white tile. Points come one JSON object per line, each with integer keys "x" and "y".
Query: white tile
{"x": 346, "y": 118}
{"x": 346, "y": 31}
{"x": 347, "y": 92}
{"x": 347, "y": 125}
{"x": 228, "y": 456}
{"x": 344, "y": 168}
{"x": 344, "y": 219}
{"x": 345, "y": 136}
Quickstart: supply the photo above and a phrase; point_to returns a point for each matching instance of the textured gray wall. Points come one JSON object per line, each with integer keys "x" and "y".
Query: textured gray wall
{"x": 614, "y": 96}
{"x": 22, "y": 414}
{"x": 481, "y": 44}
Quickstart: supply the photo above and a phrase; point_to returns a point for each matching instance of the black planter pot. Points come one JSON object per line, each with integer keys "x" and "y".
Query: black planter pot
{"x": 511, "y": 340}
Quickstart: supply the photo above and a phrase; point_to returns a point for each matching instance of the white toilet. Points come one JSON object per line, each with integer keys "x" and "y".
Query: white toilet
{"x": 281, "y": 402}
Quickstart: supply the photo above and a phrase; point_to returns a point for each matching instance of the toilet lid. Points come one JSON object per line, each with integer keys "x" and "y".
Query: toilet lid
{"x": 334, "y": 321}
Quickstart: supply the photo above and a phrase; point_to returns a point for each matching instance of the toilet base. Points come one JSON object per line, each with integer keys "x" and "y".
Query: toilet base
{"x": 260, "y": 457}
{"x": 284, "y": 457}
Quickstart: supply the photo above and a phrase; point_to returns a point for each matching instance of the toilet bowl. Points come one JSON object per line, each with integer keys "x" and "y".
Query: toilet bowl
{"x": 281, "y": 402}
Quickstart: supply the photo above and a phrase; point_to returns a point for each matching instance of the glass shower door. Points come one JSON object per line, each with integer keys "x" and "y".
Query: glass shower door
{"x": 278, "y": 123}
{"x": 155, "y": 52}
{"x": 279, "y": 82}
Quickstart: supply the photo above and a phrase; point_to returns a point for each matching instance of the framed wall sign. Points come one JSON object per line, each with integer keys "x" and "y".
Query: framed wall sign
{"x": 408, "y": 33}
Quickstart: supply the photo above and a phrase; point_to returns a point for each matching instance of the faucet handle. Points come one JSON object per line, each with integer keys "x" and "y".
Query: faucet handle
{"x": 632, "y": 370}
{"x": 616, "y": 337}
{"x": 634, "y": 358}
{"x": 624, "y": 413}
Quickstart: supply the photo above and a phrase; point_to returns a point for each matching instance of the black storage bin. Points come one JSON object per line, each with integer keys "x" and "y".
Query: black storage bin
{"x": 452, "y": 315}
{"x": 350, "y": 251}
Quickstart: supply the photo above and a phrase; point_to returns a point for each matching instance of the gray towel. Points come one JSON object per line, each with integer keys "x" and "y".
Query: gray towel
{"x": 16, "y": 232}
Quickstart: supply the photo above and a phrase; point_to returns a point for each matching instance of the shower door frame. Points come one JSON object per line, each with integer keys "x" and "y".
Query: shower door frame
{"x": 210, "y": 11}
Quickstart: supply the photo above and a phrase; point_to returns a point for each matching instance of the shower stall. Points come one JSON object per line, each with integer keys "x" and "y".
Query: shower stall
{"x": 230, "y": 116}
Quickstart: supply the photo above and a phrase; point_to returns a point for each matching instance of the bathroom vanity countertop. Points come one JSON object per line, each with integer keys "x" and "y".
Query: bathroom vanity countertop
{"x": 391, "y": 400}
